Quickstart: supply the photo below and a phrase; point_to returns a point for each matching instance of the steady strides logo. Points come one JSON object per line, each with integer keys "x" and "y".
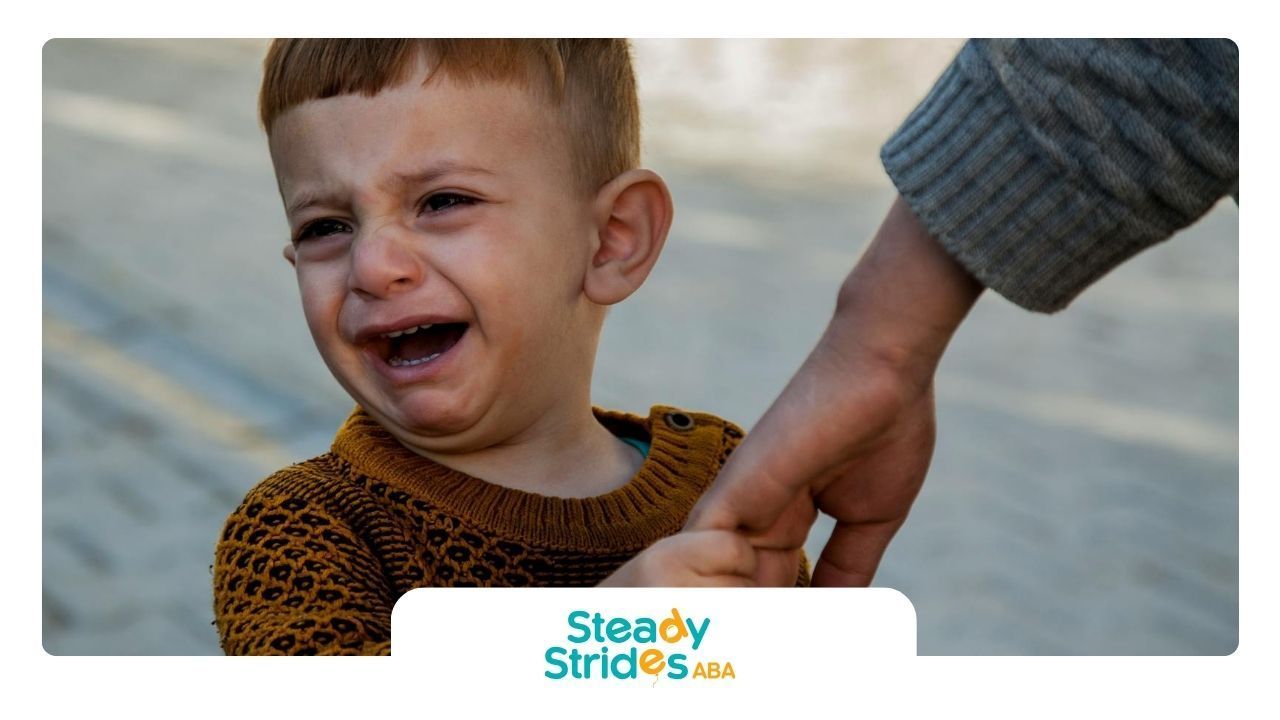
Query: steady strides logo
{"x": 619, "y": 648}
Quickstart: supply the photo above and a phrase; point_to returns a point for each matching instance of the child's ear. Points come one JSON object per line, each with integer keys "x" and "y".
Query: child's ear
{"x": 633, "y": 213}
{"x": 291, "y": 254}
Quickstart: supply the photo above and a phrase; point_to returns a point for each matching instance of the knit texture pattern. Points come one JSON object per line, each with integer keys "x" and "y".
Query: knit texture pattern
{"x": 314, "y": 559}
{"x": 1040, "y": 165}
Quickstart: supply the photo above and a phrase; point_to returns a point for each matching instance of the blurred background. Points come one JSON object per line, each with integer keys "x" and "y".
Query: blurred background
{"x": 1083, "y": 498}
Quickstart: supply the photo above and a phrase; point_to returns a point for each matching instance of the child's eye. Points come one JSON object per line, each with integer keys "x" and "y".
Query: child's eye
{"x": 322, "y": 228}
{"x": 443, "y": 201}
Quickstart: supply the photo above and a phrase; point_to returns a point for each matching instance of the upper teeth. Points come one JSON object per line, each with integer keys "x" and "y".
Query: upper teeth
{"x": 410, "y": 331}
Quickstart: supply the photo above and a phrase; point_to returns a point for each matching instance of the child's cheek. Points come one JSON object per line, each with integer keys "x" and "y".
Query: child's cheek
{"x": 322, "y": 291}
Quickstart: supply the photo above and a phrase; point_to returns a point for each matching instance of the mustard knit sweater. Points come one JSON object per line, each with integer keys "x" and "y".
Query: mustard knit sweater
{"x": 317, "y": 554}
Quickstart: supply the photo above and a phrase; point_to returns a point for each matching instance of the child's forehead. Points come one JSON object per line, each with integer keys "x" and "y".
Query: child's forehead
{"x": 415, "y": 132}
{"x": 418, "y": 110}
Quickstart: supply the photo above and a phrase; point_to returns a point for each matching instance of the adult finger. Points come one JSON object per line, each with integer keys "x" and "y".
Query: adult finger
{"x": 764, "y": 474}
{"x": 727, "y": 581}
{"x": 790, "y": 529}
{"x": 852, "y": 554}
{"x": 713, "y": 553}
{"x": 777, "y": 568}
{"x": 828, "y": 414}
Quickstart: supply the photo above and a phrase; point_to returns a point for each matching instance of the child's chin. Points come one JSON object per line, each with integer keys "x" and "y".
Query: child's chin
{"x": 426, "y": 418}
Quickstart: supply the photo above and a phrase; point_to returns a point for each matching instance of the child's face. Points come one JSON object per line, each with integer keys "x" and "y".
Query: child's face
{"x": 451, "y": 206}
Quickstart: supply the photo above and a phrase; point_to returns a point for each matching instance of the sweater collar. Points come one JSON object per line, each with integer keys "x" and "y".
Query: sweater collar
{"x": 684, "y": 457}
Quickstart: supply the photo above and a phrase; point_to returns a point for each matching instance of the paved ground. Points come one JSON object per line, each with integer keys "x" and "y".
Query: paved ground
{"x": 1084, "y": 491}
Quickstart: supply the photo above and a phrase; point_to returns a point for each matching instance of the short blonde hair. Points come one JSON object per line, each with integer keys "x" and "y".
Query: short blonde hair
{"x": 589, "y": 82}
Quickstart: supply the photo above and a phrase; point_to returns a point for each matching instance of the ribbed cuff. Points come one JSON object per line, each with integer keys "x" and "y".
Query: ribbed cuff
{"x": 969, "y": 167}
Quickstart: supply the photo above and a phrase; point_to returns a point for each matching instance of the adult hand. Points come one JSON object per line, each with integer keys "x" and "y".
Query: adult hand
{"x": 705, "y": 558}
{"x": 852, "y": 434}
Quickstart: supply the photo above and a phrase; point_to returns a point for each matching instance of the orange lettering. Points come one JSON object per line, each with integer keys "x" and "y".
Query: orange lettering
{"x": 652, "y": 661}
{"x": 674, "y": 623}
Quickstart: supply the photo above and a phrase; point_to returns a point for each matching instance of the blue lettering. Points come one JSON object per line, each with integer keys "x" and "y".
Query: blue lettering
{"x": 697, "y": 632}
{"x": 618, "y": 630}
{"x": 678, "y": 670}
{"x": 553, "y": 660}
{"x": 586, "y": 631}
{"x": 646, "y": 630}
{"x": 630, "y": 659}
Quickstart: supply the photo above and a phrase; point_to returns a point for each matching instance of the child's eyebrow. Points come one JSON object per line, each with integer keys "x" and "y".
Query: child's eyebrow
{"x": 306, "y": 200}
{"x": 439, "y": 170}
{"x": 402, "y": 179}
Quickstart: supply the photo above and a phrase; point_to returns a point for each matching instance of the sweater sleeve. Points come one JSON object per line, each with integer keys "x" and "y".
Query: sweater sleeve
{"x": 1040, "y": 165}
{"x": 291, "y": 578}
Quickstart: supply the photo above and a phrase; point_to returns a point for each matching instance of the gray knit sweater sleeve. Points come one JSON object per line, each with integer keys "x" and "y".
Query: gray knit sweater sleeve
{"x": 1040, "y": 165}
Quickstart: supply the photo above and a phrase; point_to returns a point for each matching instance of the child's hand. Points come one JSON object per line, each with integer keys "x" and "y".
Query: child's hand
{"x": 707, "y": 558}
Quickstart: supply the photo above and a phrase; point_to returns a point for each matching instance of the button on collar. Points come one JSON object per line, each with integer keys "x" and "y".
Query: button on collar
{"x": 678, "y": 421}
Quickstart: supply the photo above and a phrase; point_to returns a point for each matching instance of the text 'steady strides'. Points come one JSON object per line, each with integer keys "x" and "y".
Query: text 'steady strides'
{"x": 619, "y": 648}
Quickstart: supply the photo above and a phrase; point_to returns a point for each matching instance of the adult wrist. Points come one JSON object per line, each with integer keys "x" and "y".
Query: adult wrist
{"x": 899, "y": 307}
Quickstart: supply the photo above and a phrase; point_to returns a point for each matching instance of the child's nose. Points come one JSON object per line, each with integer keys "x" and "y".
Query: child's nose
{"x": 384, "y": 262}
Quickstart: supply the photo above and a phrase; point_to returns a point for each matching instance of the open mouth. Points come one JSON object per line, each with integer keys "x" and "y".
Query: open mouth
{"x": 419, "y": 344}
